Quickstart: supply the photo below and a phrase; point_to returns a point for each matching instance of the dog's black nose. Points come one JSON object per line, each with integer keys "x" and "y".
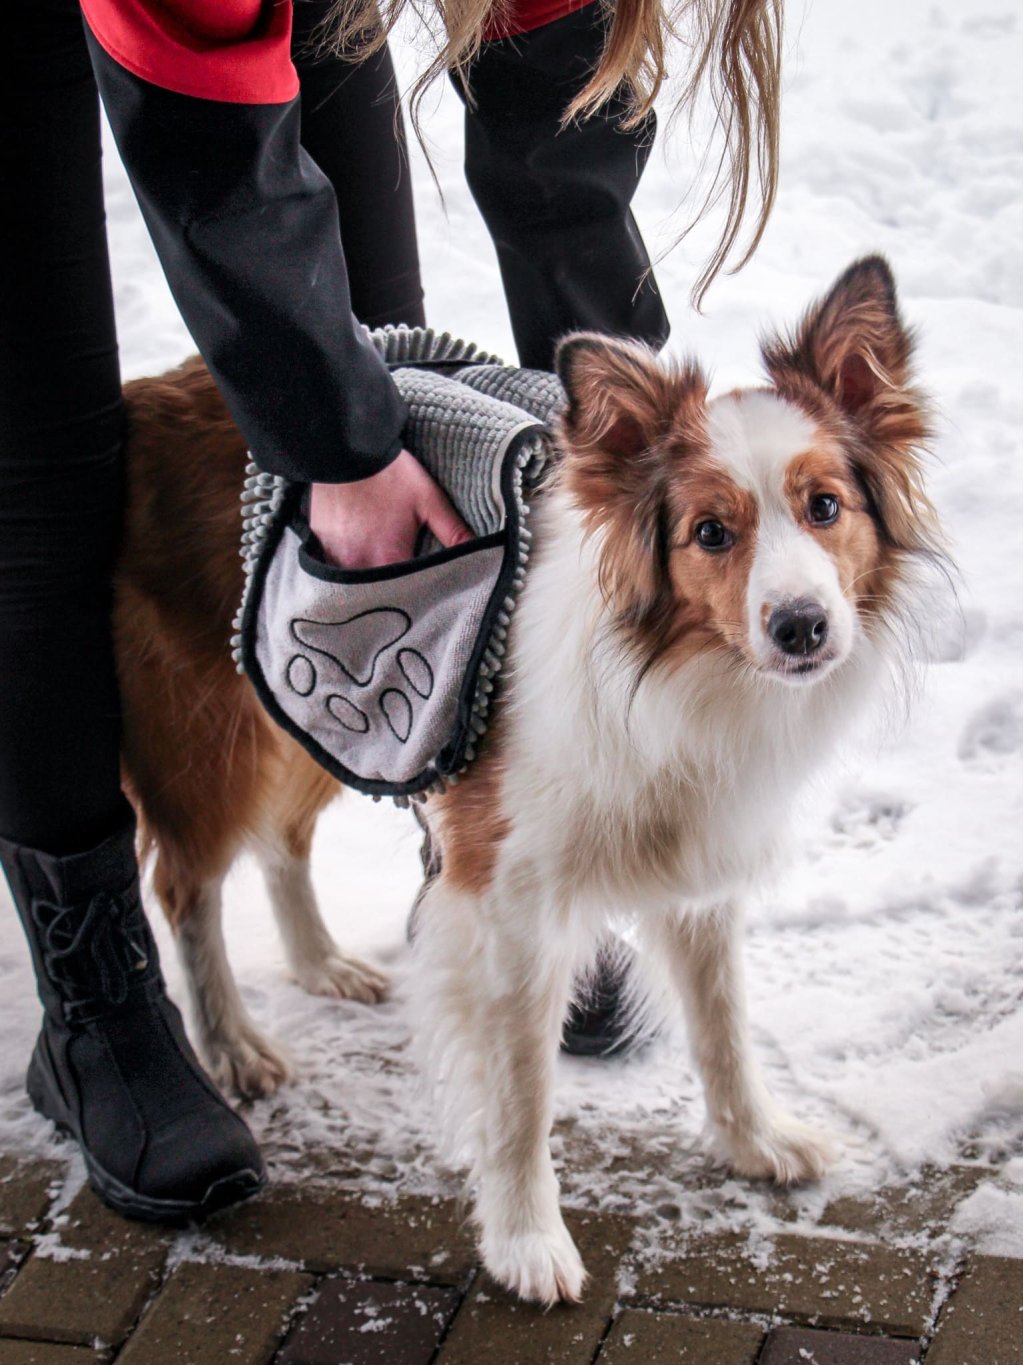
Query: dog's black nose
{"x": 799, "y": 627}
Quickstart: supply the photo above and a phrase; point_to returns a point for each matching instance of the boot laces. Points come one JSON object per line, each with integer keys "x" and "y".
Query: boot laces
{"x": 96, "y": 953}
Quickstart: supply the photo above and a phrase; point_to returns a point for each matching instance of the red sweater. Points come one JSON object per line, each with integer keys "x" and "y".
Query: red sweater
{"x": 238, "y": 50}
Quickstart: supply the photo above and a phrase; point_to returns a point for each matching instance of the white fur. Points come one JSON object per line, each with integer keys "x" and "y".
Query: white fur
{"x": 755, "y": 435}
{"x": 317, "y": 962}
{"x": 709, "y": 755}
{"x": 237, "y": 1053}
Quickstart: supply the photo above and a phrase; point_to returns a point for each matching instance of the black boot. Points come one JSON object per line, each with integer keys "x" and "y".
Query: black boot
{"x": 112, "y": 1065}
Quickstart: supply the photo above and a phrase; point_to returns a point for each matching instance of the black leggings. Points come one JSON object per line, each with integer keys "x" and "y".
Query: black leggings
{"x": 61, "y": 419}
{"x": 557, "y": 200}
{"x": 350, "y": 115}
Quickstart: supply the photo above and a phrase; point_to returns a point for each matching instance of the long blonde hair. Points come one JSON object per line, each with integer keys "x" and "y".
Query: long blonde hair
{"x": 735, "y": 50}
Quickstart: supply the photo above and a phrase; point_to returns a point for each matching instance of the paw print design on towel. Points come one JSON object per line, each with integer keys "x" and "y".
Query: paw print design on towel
{"x": 340, "y": 660}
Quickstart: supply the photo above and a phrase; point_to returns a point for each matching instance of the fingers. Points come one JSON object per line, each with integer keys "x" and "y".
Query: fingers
{"x": 442, "y": 519}
{"x": 372, "y": 522}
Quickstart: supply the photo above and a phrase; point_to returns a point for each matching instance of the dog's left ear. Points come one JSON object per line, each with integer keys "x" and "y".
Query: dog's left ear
{"x": 852, "y": 343}
{"x": 853, "y": 347}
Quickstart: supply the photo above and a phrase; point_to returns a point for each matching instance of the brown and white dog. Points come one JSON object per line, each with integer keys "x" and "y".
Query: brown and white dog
{"x": 716, "y": 587}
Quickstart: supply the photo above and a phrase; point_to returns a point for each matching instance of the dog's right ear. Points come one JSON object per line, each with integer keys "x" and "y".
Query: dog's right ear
{"x": 621, "y": 401}
{"x": 627, "y": 421}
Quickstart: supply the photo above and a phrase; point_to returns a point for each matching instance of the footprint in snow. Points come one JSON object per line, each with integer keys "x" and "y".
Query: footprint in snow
{"x": 866, "y": 819}
{"x": 993, "y": 732}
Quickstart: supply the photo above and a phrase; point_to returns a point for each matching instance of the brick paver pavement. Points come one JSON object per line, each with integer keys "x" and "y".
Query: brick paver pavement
{"x": 315, "y": 1276}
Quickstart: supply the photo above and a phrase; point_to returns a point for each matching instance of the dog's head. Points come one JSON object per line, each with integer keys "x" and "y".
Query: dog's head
{"x": 771, "y": 525}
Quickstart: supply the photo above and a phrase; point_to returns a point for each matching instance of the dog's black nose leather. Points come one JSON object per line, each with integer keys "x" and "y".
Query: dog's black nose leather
{"x": 799, "y": 627}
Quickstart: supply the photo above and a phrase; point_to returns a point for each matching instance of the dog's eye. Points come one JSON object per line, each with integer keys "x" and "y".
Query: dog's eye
{"x": 712, "y": 535}
{"x": 823, "y": 509}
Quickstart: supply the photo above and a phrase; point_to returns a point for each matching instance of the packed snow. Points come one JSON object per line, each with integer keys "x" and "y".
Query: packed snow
{"x": 884, "y": 969}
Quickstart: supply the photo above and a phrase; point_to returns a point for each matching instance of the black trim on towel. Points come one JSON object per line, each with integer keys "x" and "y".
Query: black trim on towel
{"x": 453, "y": 756}
{"x": 333, "y": 573}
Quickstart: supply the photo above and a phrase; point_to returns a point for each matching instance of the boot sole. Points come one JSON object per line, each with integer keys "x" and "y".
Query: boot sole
{"x": 231, "y": 1189}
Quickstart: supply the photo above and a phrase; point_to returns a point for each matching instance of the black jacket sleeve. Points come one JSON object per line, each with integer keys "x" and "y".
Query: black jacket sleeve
{"x": 246, "y": 228}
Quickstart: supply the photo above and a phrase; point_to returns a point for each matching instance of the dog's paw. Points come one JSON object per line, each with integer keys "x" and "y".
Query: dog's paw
{"x": 343, "y": 978}
{"x": 540, "y": 1266}
{"x": 248, "y": 1064}
{"x": 783, "y": 1150}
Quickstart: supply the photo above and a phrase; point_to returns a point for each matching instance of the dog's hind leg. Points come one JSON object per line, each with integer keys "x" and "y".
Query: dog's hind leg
{"x": 318, "y": 963}
{"x": 238, "y": 1055}
{"x": 756, "y": 1137}
{"x": 194, "y": 742}
{"x": 491, "y": 989}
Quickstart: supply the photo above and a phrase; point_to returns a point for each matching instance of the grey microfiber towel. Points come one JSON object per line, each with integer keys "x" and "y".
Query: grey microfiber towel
{"x": 385, "y": 676}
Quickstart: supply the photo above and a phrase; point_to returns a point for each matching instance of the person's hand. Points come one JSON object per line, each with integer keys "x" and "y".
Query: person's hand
{"x": 375, "y": 521}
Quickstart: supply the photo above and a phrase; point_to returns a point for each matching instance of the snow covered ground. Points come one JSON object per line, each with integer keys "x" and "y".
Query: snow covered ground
{"x": 884, "y": 971}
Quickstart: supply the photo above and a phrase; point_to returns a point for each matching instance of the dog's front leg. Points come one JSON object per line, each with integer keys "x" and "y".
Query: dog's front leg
{"x": 524, "y": 1241}
{"x": 757, "y": 1138}
{"x": 493, "y": 983}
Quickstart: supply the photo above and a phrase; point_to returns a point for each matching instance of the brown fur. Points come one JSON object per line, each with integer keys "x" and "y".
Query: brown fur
{"x": 637, "y": 465}
{"x": 470, "y": 824}
{"x": 853, "y": 540}
{"x": 195, "y": 737}
{"x": 848, "y": 367}
{"x": 634, "y": 439}
{"x": 709, "y": 592}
